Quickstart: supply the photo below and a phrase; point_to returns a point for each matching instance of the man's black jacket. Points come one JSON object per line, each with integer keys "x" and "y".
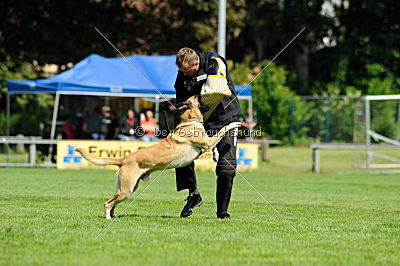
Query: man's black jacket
{"x": 187, "y": 86}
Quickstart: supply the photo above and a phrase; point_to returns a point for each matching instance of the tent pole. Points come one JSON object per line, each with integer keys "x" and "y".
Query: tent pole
{"x": 136, "y": 105}
{"x": 53, "y": 122}
{"x": 8, "y": 125}
{"x": 251, "y": 117}
{"x": 157, "y": 109}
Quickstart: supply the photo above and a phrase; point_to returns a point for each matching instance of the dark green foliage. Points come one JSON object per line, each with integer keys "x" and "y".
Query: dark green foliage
{"x": 27, "y": 111}
{"x": 327, "y": 119}
{"x": 271, "y": 100}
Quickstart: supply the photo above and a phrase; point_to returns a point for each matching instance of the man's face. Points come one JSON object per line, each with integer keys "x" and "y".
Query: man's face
{"x": 131, "y": 114}
{"x": 149, "y": 114}
{"x": 190, "y": 70}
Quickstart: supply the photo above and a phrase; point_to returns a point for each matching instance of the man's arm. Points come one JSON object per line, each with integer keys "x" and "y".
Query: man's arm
{"x": 216, "y": 76}
{"x": 179, "y": 88}
{"x": 216, "y": 67}
{"x": 180, "y": 95}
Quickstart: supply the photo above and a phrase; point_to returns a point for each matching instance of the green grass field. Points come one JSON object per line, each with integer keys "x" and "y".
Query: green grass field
{"x": 346, "y": 215}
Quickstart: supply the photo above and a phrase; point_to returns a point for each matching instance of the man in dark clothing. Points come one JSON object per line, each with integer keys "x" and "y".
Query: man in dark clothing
{"x": 92, "y": 126}
{"x": 110, "y": 123}
{"x": 194, "y": 69}
{"x": 128, "y": 127}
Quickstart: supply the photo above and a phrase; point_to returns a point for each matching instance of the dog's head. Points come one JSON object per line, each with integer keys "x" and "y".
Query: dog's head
{"x": 191, "y": 109}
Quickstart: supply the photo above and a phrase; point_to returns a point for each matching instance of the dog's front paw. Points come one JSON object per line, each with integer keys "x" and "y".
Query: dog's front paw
{"x": 234, "y": 125}
{"x": 215, "y": 155}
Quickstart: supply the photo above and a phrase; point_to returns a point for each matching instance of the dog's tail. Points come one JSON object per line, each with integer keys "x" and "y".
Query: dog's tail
{"x": 98, "y": 160}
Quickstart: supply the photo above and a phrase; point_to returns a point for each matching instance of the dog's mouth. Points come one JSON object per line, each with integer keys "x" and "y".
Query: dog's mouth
{"x": 187, "y": 105}
{"x": 204, "y": 109}
{"x": 182, "y": 106}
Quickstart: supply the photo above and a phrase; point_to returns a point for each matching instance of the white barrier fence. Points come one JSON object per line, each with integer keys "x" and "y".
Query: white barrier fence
{"x": 32, "y": 150}
{"x": 317, "y": 157}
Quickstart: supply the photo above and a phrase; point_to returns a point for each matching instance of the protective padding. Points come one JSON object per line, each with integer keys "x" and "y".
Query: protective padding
{"x": 213, "y": 92}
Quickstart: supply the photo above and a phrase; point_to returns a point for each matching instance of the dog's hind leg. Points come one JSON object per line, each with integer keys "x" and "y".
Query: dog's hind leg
{"x": 112, "y": 209}
{"x": 128, "y": 176}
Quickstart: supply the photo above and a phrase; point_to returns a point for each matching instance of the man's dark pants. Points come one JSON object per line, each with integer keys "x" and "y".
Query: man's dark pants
{"x": 225, "y": 170}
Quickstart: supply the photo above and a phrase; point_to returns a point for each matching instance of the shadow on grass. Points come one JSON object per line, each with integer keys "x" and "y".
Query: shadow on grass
{"x": 143, "y": 216}
{"x": 147, "y": 216}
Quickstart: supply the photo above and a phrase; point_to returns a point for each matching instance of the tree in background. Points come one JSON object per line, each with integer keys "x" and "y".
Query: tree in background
{"x": 271, "y": 98}
{"x": 365, "y": 32}
{"x": 270, "y": 25}
{"x": 27, "y": 110}
{"x": 340, "y": 36}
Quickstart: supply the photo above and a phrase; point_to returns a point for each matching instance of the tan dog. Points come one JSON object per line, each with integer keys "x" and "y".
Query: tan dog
{"x": 188, "y": 141}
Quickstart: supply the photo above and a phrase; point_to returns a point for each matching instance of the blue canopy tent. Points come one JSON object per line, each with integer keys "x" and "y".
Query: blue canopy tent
{"x": 133, "y": 76}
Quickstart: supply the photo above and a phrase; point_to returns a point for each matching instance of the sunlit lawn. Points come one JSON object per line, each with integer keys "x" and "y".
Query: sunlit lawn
{"x": 344, "y": 215}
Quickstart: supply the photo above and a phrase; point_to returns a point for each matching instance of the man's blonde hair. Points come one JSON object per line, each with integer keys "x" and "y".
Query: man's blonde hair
{"x": 186, "y": 56}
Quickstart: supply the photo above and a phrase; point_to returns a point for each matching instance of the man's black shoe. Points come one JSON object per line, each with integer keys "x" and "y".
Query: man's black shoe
{"x": 192, "y": 202}
{"x": 223, "y": 215}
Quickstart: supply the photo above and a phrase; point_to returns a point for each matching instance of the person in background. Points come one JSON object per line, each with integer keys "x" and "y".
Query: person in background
{"x": 248, "y": 124}
{"x": 149, "y": 124}
{"x": 128, "y": 127}
{"x": 92, "y": 126}
{"x": 80, "y": 122}
{"x": 110, "y": 124}
{"x": 68, "y": 128}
